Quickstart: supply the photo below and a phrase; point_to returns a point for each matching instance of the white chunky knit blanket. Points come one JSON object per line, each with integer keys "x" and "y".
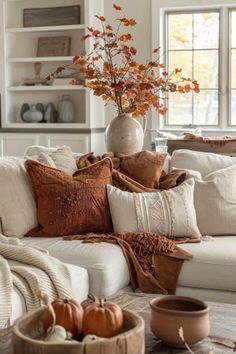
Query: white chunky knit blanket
{"x": 28, "y": 269}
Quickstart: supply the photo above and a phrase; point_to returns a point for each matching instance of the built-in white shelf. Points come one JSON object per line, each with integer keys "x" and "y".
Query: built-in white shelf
{"x": 46, "y": 88}
{"x": 46, "y": 28}
{"x": 41, "y": 59}
{"x": 18, "y": 54}
{"x": 24, "y": 125}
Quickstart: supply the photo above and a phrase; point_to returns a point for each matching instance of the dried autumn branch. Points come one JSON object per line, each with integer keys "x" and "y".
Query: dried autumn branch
{"x": 112, "y": 72}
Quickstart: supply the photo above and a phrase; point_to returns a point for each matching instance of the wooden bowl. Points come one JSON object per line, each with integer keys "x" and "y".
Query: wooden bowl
{"x": 170, "y": 312}
{"x": 28, "y": 334}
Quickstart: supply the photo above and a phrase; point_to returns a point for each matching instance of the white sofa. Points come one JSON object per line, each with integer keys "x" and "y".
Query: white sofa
{"x": 102, "y": 269}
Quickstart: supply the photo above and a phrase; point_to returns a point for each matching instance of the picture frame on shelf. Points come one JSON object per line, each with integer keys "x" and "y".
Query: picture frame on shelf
{"x": 51, "y": 16}
{"x": 53, "y": 46}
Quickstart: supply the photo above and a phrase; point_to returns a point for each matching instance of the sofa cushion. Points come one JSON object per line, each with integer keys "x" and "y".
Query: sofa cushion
{"x": 62, "y": 158}
{"x": 17, "y": 204}
{"x": 170, "y": 213}
{"x": 80, "y": 287}
{"x": 105, "y": 262}
{"x": 69, "y": 205}
{"x": 36, "y": 150}
{"x": 203, "y": 162}
{"x": 144, "y": 167}
{"x": 213, "y": 265}
{"x": 215, "y": 202}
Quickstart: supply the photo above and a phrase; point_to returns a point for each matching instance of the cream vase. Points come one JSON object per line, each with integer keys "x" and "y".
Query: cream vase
{"x": 124, "y": 135}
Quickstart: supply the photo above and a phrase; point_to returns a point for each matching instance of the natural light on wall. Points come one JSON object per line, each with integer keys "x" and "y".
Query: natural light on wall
{"x": 192, "y": 42}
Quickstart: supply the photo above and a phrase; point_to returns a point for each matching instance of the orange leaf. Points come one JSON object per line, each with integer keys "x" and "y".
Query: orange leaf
{"x": 127, "y": 22}
{"x": 125, "y": 37}
{"x": 96, "y": 33}
{"x": 133, "y": 50}
{"x": 106, "y": 67}
{"x": 75, "y": 59}
{"x": 142, "y": 67}
{"x": 117, "y": 7}
{"x": 187, "y": 88}
{"x": 180, "y": 89}
{"x": 101, "y": 18}
{"x": 178, "y": 71}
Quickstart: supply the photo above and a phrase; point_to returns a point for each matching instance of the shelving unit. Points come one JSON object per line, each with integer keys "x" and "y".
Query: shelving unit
{"x": 18, "y": 48}
{"x": 40, "y": 59}
{"x": 46, "y": 88}
{"x": 44, "y": 29}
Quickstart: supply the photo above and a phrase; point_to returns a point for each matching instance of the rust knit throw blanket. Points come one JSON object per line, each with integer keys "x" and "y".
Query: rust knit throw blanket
{"x": 154, "y": 261}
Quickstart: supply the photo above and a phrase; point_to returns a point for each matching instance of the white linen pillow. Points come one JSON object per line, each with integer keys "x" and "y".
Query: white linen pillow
{"x": 203, "y": 162}
{"x": 170, "y": 213}
{"x": 17, "y": 204}
{"x": 215, "y": 202}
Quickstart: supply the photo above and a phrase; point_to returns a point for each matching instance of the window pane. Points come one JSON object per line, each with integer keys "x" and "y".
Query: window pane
{"x": 176, "y": 60}
{"x": 206, "y": 107}
{"x": 206, "y": 30}
{"x": 206, "y": 68}
{"x": 233, "y": 68}
{"x": 180, "y": 109}
{"x": 180, "y": 31}
{"x": 233, "y": 29}
{"x": 233, "y": 107}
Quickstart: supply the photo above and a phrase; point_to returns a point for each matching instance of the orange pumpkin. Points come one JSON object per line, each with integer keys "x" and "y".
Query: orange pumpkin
{"x": 69, "y": 314}
{"x": 102, "y": 318}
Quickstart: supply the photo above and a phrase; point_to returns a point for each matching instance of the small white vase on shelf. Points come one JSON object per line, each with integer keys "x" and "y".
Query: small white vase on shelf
{"x": 124, "y": 135}
{"x": 66, "y": 110}
{"x": 32, "y": 115}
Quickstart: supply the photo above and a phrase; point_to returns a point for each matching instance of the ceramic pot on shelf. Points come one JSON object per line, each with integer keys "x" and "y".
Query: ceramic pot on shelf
{"x": 124, "y": 135}
{"x": 66, "y": 110}
{"x": 32, "y": 115}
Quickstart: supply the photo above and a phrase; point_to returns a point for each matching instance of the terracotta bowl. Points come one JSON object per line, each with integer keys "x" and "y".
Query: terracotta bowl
{"x": 170, "y": 312}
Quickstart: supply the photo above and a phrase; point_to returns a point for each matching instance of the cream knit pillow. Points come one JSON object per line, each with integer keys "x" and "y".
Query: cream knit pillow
{"x": 169, "y": 213}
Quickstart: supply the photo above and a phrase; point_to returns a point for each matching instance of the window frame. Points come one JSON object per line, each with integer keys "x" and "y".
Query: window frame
{"x": 224, "y": 63}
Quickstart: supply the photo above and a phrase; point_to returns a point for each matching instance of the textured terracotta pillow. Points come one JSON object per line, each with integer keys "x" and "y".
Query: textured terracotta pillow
{"x": 144, "y": 167}
{"x": 67, "y": 204}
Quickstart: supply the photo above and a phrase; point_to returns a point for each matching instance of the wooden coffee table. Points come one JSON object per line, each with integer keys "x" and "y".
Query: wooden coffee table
{"x": 222, "y": 324}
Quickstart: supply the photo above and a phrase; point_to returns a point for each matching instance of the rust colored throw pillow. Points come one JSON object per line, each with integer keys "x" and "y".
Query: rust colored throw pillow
{"x": 69, "y": 205}
{"x": 144, "y": 167}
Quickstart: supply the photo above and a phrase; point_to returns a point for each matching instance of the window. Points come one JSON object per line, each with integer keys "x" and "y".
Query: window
{"x": 196, "y": 41}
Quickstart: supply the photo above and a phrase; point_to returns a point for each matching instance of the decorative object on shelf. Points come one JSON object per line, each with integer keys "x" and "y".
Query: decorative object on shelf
{"x": 32, "y": 115}
{"x": 24, "y": 108}
{"x": 40, "y": 108}
{"x": 124, "y": 135}
{"x": 66, "y": 110}
{"x": 170, "y": 313}
{"x": 37, "y": 80}
{"x": 51, "y": 16}
{"x": 112, "y": 72}
{"x": 58, "y": 81}
{"x": 53, "y": 46}
{"x": 50, "y": 113}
